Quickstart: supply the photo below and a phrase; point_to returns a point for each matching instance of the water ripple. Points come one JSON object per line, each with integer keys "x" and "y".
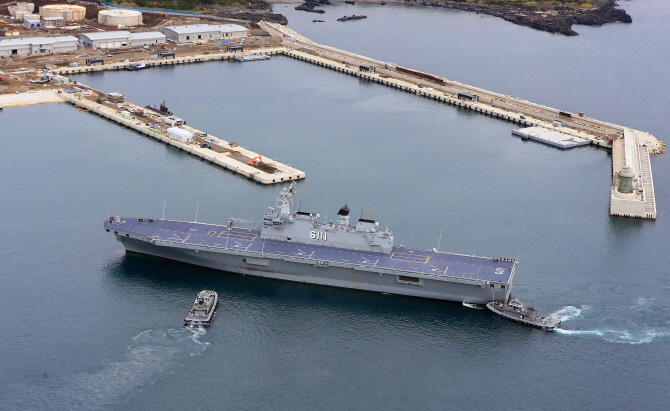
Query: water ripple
{"x": 612, "y": 328}
{"x": 149, "y": 354}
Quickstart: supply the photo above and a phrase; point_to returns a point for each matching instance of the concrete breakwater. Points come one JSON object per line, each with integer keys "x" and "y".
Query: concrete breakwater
{"x": 222, "y": 153}
{"x": 166, "y": 61}
{"x": 638, "y": 201}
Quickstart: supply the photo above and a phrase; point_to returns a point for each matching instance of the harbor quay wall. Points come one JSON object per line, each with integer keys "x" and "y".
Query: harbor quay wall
{"x": 429, "y": 90}
{"x": 635, "y": 147}
{"x": 165, "y": 62}
{"x": 284, "y": 172}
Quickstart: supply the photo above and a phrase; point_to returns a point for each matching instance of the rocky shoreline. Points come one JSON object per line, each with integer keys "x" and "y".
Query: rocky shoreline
{"x": 309, "y": 6}
{"x": 253, "y": 12}
{"x": 549, "y": 18}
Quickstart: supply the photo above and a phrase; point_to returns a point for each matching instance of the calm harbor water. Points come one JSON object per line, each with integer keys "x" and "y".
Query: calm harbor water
{"x": 88, "y": 327}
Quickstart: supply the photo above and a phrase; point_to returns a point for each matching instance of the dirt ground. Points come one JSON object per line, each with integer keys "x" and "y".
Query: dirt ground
{"x": 117, "y": 55}
{"x": 17, "y": 71}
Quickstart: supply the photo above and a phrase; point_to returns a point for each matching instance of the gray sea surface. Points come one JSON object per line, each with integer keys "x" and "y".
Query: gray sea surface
{"x": 86, "y": 326}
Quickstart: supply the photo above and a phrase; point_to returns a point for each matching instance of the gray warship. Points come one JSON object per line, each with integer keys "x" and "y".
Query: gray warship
{"x": 298, "y": 247}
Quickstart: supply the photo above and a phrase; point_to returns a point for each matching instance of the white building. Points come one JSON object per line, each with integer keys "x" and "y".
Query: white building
{"x": 146, "y": 38}
{"x": 105, "y": 39}
{"x": 31, "y": 23}
{"x": 19, "y": 47}
{"x": 113, "y": 39}
{"x": 38, "y": 45}
{"x": 52, "y": 21}
{"x": 180, "y": 134}
{"x": 204, "y": 32}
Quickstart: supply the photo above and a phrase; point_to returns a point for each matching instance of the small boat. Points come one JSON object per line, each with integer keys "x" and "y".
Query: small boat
{"x": 252, "y": 57}
{"x": 203, "y": 308}
{"x": 517, "y": 311}
{"x": 318, "y": 21}
{"x": 138, "y": 66}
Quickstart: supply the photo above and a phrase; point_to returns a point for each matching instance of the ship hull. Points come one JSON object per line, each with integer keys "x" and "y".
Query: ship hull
{"x": 235, "y": 261}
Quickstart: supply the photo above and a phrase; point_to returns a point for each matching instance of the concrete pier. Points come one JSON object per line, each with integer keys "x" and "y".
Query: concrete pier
{"x": 25, "y": 99}
{"x": 234, "y": 159}
{"x": 635, "y": 146}
{"x": 632, "y": 151}
{"x": 197, "y": 58}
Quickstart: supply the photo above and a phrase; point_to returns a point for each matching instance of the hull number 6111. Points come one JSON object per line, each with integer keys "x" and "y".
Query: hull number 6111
{"x": 318, "y": 235}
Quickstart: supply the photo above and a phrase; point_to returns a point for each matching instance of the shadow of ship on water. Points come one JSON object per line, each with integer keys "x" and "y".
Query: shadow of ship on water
{"x": 134, "y": 273}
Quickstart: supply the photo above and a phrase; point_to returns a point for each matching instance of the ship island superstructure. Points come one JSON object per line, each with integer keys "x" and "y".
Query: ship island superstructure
{"x": 298, "y": 247}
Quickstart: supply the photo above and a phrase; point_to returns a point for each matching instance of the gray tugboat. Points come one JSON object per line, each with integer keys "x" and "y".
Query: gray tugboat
{"x": 297, "y": 246}
{"x": 203, "y": 308}
{"x": 517, "y": 311}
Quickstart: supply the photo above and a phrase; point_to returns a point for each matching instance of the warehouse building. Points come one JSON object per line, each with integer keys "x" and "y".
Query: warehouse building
{"x": 113, "y": 39}
{"x": 31, "y": 23}
{"x": 105, "y": 39}
{"x": 52, "y": 21}
{"x": 38, "y": 45}
{"x": 20, "y": 47}
{"x": 204, "y": 32}
{"x": 146, "y": 38}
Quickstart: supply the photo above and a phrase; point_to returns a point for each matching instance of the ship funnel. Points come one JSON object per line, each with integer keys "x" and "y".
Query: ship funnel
{"x": 344, "y": 218}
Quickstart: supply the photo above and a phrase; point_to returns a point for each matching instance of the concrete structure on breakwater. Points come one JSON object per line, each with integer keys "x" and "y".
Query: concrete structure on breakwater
{"x": 226, "y": 159}
{"x": 166, "y": 62}
{"x": 636, "y": 146}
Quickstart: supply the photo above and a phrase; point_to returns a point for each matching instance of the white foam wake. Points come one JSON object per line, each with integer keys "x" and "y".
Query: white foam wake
{"x": 149, "y": 354}
{"x": 568, "y": 313}
{"x": 620, "y": 336}
{"x": 630, "y": 334}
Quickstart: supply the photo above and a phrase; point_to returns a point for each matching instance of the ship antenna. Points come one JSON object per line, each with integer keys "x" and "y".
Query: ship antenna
{"x": 196, "y": 211}
{"x": 164, "y": 207}
{"x": 263, "y": 249}
{"x": 402, "y": 241}
{"x": 438, "y": 241}
{"x": 362, "y": 206}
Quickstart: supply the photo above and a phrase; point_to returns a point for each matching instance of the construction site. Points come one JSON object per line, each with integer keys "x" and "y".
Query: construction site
{"x": 16, "y": 68}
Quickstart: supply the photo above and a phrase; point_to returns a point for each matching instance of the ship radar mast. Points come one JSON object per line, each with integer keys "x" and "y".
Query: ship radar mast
{"x": 282, "y": 200}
